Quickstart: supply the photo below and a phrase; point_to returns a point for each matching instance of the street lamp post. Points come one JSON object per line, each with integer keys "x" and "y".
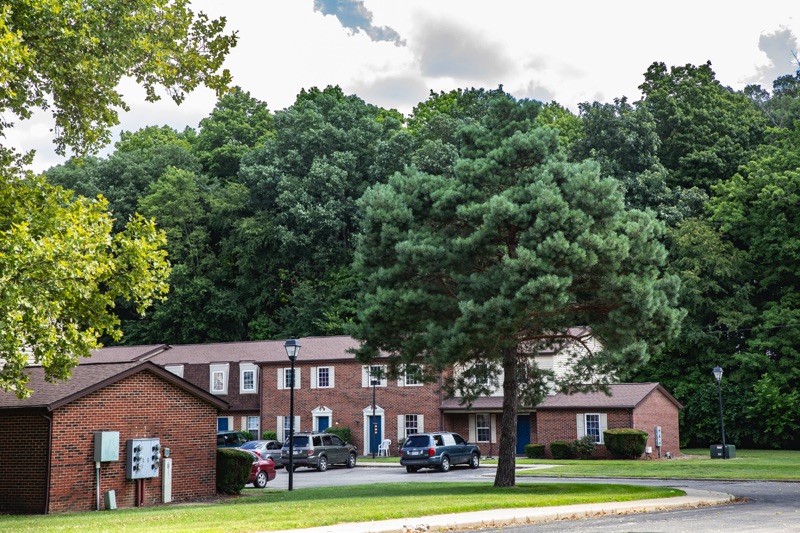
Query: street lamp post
{"x": 374, "y": 382}
{"x": 292, "y": 349}
{"x": 718, "y": 376}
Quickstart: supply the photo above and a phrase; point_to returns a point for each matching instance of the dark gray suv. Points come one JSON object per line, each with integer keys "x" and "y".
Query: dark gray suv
{"x": 438, "y": 450}
{"x": 318, "y": 450}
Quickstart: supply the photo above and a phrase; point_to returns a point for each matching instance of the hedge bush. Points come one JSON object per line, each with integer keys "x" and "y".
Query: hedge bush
{"x": 625, "y": 443}
{"x": 233, "y": 470}
{"x": 534, "y": 451}
{"x": 583, "y": 447}
{"x": 269, "y": 435}
{"x": 247, "y": 435}
{"x": 341, "y": 431}
{"x": 560, "y": 449}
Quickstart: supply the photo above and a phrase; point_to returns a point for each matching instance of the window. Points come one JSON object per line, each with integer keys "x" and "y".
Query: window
{"x": 592, "y": 424}
{"x": 248, "y": 383}
{"x": 175, "y": 369}
{"x": 285, "y": 378}
{"x": 373, "y": 371}
{"x": 219, "y": 378}
{"x": 483, "y": 427}
{"x": 321, "y": 377}
{"x": 412, "y": 376}
{"x": 411, "y": 424}
{"x": 252, "y": 426}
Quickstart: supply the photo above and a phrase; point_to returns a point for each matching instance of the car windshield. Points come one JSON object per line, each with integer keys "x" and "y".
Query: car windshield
{"x": 416, "y": 441}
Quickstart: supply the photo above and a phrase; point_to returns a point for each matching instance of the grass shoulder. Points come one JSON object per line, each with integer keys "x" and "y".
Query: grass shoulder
{"x": 270, "y": 510}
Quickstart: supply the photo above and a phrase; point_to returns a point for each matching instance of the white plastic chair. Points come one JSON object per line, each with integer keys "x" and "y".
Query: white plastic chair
{"x": 383, "y": 449}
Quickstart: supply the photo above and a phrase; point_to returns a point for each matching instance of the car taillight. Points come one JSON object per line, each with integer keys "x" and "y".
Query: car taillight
{"x": 431, "y": 452}
{"x": 311, "y": 451}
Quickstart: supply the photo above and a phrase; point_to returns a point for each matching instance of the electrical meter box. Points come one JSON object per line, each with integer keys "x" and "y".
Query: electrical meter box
{"x": 106, "y": 446}
{"x": 143, "y": 458}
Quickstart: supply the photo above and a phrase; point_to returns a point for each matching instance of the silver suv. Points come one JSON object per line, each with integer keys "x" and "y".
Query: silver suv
{"x": 318, "y": 450}
{"x": 438, "y": 450}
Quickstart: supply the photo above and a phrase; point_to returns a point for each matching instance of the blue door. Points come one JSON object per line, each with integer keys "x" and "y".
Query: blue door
{"x": 222, "y": 423}
{"x": 323, "y": 423}
{"x": 375, "y": 437}
{"x": 523, "y": 433}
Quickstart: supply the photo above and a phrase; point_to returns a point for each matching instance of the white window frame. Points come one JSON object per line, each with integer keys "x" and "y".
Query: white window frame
{"x": 365, "y": 375}
{"x": 403, "y": 426}
{"x": 245, "y": 368}
{"x": 175, "y": 369}
{"x": 407, "y": 380}
{"x": 315, "y": 375}
{"x": 483, "y": 427}
{"x": 283, "y": 375}
{"x": 253, "y": 426}
{"x": 221, "y": 370}
{"x": 473, "y": 428}
{"x": 582, "y": 421}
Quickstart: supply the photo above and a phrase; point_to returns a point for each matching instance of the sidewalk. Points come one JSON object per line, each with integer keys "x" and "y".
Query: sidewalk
{"x": 528, "y": 515}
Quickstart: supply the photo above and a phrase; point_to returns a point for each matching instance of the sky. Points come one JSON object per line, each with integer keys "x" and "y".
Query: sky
{"x": 392, "y": 53}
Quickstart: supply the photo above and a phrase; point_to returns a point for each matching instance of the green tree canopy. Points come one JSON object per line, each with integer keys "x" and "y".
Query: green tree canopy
{"x": 503, "y": 257}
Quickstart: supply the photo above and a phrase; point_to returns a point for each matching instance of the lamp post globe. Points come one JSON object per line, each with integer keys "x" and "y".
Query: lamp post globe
{"x": 292, "y": 347}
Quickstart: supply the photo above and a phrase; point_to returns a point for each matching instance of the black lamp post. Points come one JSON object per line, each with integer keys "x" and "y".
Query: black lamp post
{"x": 718, "y": 376}
{"x": 292, "y": 349}
{"x": 374, "y": 379}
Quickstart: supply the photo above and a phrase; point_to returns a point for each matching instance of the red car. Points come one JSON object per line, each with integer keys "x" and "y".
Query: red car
{"x": 263, "y": 470}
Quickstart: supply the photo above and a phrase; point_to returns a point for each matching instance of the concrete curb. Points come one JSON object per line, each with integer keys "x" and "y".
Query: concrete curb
{"x": 528, "y": 515}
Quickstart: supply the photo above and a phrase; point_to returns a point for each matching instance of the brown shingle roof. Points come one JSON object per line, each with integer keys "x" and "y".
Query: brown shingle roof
{"x": 623, "y": 396}
{"x": 88, "y": 378}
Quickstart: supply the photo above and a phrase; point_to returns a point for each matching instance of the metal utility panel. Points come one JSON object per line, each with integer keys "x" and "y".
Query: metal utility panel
{"x": 106, "y": 446}
{"x": 143, "y": 458}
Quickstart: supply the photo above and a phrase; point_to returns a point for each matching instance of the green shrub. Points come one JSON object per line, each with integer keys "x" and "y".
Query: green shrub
{"x": 269, "y": 435}
{"x": 233, "y": 470}
{"x": 625, "y": 443}
{"x": 342, "y": 432}
{"x": 560, "y": 449}
{"x": 583, "y": 447}
{"x": 247, "y": 435}
{"x": 534, "y": 451}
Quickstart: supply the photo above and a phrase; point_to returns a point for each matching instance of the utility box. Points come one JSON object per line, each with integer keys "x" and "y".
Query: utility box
{"x": 106, "y": 446}
{"x": 110, "y": 498}
{"x": 143, "y": 458}
{"x": 717, "y": 451}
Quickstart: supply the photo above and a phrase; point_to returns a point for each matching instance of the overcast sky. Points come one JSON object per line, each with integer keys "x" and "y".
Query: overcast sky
{"x": 392, "y": 53}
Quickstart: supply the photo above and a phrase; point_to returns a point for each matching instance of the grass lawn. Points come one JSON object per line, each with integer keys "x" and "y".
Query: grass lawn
{"x": 263, "y": 510}
{"x": 694, "y": 464}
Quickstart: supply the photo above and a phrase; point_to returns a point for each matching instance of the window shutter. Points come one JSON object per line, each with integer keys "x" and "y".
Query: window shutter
{"x": 280, "y": 379}
{"x": 244, "y": 425}
{"x": 364, "y": 376}
{"x": 473, "y": 434}
{"x": 421, "y": 423}
{"x": 312, "y": 377}
{"x": 401, "y": 378}
{"x": 296, "y": 381}
{"x": 330, "y": 376}
{"x": 579, "y": 420}
{"x": 296, "y": 424}
{"x": 401, "y": 429}
{"x": 493, "y": 422}
{"x": 603, "y": 426}
{"x": 281, "y": 436}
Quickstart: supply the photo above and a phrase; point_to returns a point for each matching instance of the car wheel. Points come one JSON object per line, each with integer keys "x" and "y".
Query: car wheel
{"x": 445, "y": 466}
{"x": 474, "y": 461}
{"x": 261, "y": 480}
{"x": 351, "y": 461}
{"x": 322, "y": 463}
{"x": 412, "y": 469}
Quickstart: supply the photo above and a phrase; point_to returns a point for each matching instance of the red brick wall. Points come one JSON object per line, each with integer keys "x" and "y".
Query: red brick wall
{"x": 23, "y": 463}
{"x": 347, "y": 400}
{"x": 560, "y": 425}
{"x": 658, "y": 410}
{"x": 140, "y": 406}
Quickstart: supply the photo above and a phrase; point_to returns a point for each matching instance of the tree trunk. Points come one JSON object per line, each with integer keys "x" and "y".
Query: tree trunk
{"x": 507, "y": 457}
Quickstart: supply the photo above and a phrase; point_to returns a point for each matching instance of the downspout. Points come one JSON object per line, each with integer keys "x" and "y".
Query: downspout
{"x": 49, "y": 419}
{"x": 441, "y": 412}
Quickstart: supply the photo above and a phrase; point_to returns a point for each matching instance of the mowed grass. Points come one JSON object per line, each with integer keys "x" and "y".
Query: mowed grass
{"x": 268, "y": 510}
{"x": 776, "y": 465}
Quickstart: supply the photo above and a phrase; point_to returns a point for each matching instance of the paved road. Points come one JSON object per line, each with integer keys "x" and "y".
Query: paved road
{"x": 764, "y": 507}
